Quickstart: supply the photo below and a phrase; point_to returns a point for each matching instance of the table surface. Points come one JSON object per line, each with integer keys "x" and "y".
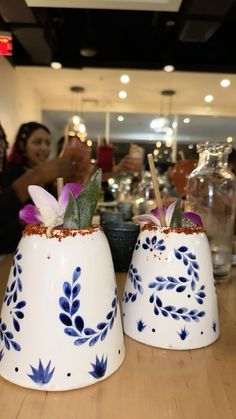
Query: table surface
{"x": 152, "y": 383}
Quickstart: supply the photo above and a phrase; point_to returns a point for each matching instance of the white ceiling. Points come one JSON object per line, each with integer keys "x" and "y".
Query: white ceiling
{"x": 144, "y": 101}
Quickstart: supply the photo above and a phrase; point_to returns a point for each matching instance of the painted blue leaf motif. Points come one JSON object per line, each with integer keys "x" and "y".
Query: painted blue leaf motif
{"x": 182, "y": 279}
{"x": 181, "y": 288}
{"x": 201, "y": 314}
{"x": 152, "y": 285}
{"x": 145, "y": 246}
{"x": 158, "y": 302}
{"x": 76, "y": 290}
{"x": 14, "y": 271}
{"x": 201, "y": 294}
{"x": 80, "y": 341}
{"x": 148, "y": 240}
{"x": 75, "y": 307}
{"x": 12, "y": 286}
{"x": 183, "y": 249}
{"x": 41, "y": 375}
{"x": 161, "y": 247}
{"x": 160, "y": 287}
{"x": 186, "y": 318}
{"x": 15, "y": 297}
{"x": 154, "y": 239}
{"x": 19, "y": 268}
{"x": 21, "y": 304}
{"x": 185, "y": 260}
{"x": 6, "y": 342}
{"x": 66, "y": 320}
{"x": 101, "y": 326}
{"x": 70, "y": 331}
{"x": 93, "y": 340}
{"x": 76, "y": 274}
{"x": 99, "y": 368}
{"x": 133, "y": 298}
{"x": 156, "y": 311}
{"x": 19, "y": 284}
{"x": 4, "y": 327}
{"x": 16, "y": 325}
{"x": 112, "y": 322}
{"x": 1, "y": 354}
{"x": 109, "y": 315}
{"x": 165, "y": 313}
{"x": 193, "y": 285}
{"x": 114, "y": 301}
{"x": 151, "y": 299}
{"x": 64, "y": 303}
{"x": 88, "y": 331}
{"x": 191, "y": 256}
{"x": 15, "y": 345}
{"x": 195, "y": 265}
{"x": 19, "y": 256}
{"x": 170, "y": 286}
{"x": 172, "y": 279}
{"x": 175, "y": 316}
{"x": 79, "y": 323}
{"x": 19, "y": 314}
{"x": 67, "y": 289}
{"x": 182, "y": 310}
{"x": 160, "y": 279}
{"x": 199, "y": 300}
{"x": 104, "y": 333}
{"x": 177, "y": 254}
{"x": 9, "y": 335}
{"x": 190, "y": 270}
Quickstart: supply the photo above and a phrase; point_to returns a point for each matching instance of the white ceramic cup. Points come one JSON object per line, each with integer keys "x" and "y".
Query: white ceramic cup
{"x": 170, "y": 297}
{"x": 60, "y": 322}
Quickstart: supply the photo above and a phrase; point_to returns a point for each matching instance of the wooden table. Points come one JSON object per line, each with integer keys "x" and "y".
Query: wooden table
{"x": 152, "y": 383}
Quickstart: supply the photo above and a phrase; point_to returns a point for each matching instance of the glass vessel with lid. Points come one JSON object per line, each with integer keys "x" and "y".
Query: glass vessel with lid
{"x": 211, "y": 192}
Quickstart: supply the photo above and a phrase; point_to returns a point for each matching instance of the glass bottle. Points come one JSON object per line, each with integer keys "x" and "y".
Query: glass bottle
{"x": 211, "y": 193}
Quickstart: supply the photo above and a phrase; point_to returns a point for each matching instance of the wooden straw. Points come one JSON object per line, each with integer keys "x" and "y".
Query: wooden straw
{"x": 60, "y": 184}
{"x": 156, "y": 189}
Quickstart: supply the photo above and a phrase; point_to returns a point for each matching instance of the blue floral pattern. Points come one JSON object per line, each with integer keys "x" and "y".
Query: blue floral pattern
{"x": 189, "y": 260}
{"x": 141, "y": 325}
{"x": 16, "y": 285}
{"x": 152, "y": 244}
{"x": 99, "y": 367}
{"x": 176, "y": 313}
{"x": 41, "y": 375}
{"x": 183, "y": 333}
{"x": 74, "y": 323}
{"x": 1, "y": 354}
{"x": 136, "y": 280}
{"x": 7, "y": 337}
{"x": 169, "y": 283}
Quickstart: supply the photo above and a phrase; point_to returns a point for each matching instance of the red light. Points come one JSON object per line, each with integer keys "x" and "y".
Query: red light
{"x": 5, "y": 43}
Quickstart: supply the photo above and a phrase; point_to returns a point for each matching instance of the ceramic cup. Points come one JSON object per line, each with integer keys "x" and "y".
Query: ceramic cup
{"x": 60, "y": 323}
{"x": 170, "y": 297}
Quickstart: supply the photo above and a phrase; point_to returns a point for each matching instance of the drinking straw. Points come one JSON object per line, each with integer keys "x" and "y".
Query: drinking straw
{"x": 60, "y": 184}
{"x": 156, "y": 189}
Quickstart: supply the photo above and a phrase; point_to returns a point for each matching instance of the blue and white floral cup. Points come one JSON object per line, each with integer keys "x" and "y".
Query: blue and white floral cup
{"x": 170, "y": 297}
{"x": 60, "y": 322}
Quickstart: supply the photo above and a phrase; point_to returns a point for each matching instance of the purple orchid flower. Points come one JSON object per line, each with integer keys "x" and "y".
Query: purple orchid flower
{"x": 47, "y": 210}
{"x": 154, "y": 217}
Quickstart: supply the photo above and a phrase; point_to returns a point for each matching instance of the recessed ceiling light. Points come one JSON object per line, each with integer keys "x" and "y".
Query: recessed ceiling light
{"x": 155, "y": 152}
{"x": 89, "y": 143}
{"x": 209, "y": 98}
{"x": 56, "y": 65}
{"x": 122, "y": 94}
{"x": 168, "y": 68}
{"x": 186, "y": 120}
{"x": 229, "y": 140}
{"x": 124, "y": 78}
{"x": 120, "y": 118}
{"x": 158, "y": 144}
{"x": 190, "y": 146}
{"x": 225, "y": 83}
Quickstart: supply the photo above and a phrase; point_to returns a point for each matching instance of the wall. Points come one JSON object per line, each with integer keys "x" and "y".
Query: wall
{"x": 18, "y": 101}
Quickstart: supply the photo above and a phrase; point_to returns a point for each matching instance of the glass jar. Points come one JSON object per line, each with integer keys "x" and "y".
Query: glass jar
{"x": 211, "y": 193}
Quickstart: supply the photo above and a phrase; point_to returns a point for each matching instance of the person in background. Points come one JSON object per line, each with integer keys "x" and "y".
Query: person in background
{"x": 29, "y": 164}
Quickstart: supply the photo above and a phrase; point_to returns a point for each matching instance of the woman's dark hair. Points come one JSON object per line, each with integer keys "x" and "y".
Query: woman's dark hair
{"x": 17, "y": 155}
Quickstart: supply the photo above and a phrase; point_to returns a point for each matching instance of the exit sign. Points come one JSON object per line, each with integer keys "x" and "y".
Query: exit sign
{"x": 5, "y": 43}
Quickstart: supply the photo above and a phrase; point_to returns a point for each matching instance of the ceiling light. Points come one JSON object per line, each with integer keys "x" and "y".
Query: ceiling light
{"x": 120, "y": 118}
{"x": 158, "y": 144}
{"x": 209, "y": 98}
{"x": 155, "y": 152}
{"x": 89, "y": 143}
{"x": 122, "y": 94}
{"x": 158, "y": 124}
{"x": 174, "y": 125}
{"x": 186, "y": 120}
{"x": 190, "y": 146}
{"x": 229, "y": 140}
{"x": 151, "y": 137}
{"x": 76, "y": 119}
{"x": 56, "y": 65}
{"x": 124, "y": 78}
{"x": 166, "y": 151}
{"x": 225, "y": 83}
{"x": 168, "y": 68}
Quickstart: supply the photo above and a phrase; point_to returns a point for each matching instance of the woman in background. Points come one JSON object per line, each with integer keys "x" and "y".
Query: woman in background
{"x": 29, "y": 164}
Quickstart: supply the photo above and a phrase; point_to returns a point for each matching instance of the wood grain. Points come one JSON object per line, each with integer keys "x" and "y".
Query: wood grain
{"x": 152, "y": 383}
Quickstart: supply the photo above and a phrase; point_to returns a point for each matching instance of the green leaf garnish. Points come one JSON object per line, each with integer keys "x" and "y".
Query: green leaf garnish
{"x": 71, "y": 217}
{"x": 176, "y": 220}
{"x": 87, "y": 199}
